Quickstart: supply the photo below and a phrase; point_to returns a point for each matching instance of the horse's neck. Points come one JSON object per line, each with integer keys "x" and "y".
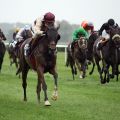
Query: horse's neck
{"x": 42, "y": 45}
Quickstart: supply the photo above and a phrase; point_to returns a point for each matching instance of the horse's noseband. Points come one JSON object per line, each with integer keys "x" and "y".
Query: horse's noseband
{"x": 116, "y": 36}
{"x": 52, "y": 46}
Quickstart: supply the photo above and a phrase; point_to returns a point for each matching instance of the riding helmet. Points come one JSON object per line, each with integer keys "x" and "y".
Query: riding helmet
{"x": 49, "y": 17}
{"x": 111, "y": 22}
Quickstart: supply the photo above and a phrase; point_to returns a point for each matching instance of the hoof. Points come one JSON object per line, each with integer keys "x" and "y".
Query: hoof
{"x": 80, "y": 76}
{"x": 47, "y": 103}
{"x": 54, "y": 97}
{"x": 25, "y": 100}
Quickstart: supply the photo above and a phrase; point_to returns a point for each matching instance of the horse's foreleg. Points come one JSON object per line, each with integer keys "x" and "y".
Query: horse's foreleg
{"x": 38, "y": 89}
{"x": 79, "y": 68}
{"x": 55, "y": 93}
{"x": 106, "y": 72}
{"x": 83, "y": 68}
{"x": 41, "y": 81}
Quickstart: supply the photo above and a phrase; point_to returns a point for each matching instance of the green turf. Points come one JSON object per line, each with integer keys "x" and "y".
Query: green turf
{"x": 81, "y": 99}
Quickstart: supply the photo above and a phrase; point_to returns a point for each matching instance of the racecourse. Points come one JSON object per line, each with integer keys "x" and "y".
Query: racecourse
{"x": 81, "y": 99}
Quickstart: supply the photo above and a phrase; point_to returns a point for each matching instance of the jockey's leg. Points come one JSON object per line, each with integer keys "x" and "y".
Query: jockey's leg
{"x": 29, "y": 47}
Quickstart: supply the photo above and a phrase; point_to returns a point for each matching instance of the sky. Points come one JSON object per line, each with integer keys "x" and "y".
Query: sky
{"x": 73, "y": 11}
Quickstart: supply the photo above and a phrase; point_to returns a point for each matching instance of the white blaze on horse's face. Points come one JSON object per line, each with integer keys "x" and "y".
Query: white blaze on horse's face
{"x": 52, "y": 45}
{"x": 82, "y": 43}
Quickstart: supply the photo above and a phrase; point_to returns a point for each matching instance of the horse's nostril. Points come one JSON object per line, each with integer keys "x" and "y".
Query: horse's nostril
{"x": 83, "y": 46}
{"x": 52, "y": 46}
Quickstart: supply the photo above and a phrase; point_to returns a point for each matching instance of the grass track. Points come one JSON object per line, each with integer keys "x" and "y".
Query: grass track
{"x": 78, "y": 100}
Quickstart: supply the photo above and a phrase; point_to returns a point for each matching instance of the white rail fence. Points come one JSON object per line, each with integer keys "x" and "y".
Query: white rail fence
{"x": 58, "y": 46}
{"x": 65, "y": 49}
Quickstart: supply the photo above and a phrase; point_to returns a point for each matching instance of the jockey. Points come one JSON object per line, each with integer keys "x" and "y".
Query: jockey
{"x": 84, "y": 30}
{"x": 16, "y": 31}
{"x": 88, "y": 26}
{"x": 104, "y": 32}
{"x": 40, "y": 26}
{"x": 22, "y": 35}
{"x": 2, "y": 36}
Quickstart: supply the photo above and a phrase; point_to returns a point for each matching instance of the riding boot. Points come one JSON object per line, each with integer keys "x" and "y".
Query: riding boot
{"x": 29, "y": 47}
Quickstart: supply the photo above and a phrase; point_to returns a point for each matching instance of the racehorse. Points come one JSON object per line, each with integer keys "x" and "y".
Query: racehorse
{"x": 2, "y": 48}
{"x": 80, "y": 55}
{"x": 12, "y": 56}
{"x": 109, "y": 54}
{"x": 90, "y": 57}
{"x": 114, "y": 51}
{"x": 14, "y": 52}
{"x": 70, "y": 61}
{"x": 42, "y": 59}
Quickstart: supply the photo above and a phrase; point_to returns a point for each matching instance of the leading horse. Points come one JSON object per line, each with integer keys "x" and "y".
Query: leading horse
{"x": 2, "y": 48}
{"x": 42, "y": 59}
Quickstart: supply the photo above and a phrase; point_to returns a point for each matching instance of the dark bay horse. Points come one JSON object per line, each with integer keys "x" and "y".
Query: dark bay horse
{"x": 12, "y": 56}
{"x": 2, "y": 48}
{"x": 90, "y": 56}
{"x": 42, "y": 60}
{"x": 79, "y": 56}
{"x": 109, "y": 54}
{"x": 115, "y": 46}
{"x": 70, "y": 61}
{"x": 14, "y": 52}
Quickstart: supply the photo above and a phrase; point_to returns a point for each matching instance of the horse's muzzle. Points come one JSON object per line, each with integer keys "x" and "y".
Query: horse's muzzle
{"x": 83, "y": 46}
{"x": 52, "y": 46}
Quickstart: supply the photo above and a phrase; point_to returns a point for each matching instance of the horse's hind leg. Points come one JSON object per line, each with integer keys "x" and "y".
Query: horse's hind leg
{"x": 72, "y": 70}
{"x": 90, "y": 73}
{"x": 24, "y": 83}
{"x": 99, "y": 70}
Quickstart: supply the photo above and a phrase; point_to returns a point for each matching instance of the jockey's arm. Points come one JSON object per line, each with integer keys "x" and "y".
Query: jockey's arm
{"x": 37, "y": 27}
{"x": 19, "y": 36}
{"x": 75, "y": 35}
{"x": 101, "y": 29}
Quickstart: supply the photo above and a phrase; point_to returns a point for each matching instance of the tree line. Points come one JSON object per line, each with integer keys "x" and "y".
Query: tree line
{"x": 66, "y": 30}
